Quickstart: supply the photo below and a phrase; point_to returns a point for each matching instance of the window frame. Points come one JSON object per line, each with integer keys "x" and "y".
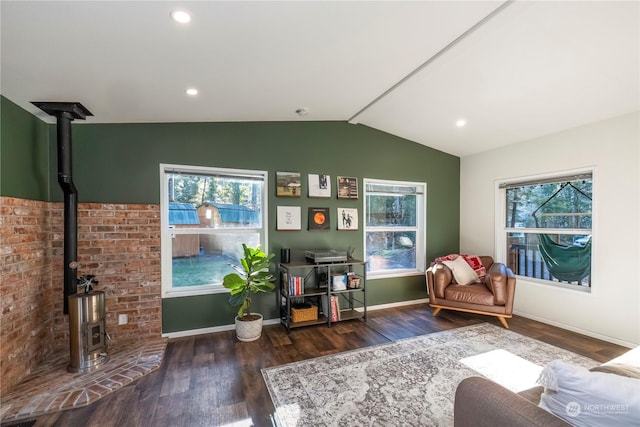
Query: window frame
{"x": 502, "y": 231}
{"x": 420, "y": 228}
{"x": 166, "y": 259}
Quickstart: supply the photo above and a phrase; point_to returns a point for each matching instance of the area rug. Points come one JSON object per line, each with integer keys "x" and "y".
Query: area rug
{"x": 409, "y": 382}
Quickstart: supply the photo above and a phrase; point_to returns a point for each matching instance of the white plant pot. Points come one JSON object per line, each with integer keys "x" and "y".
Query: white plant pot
{"x": 249, "y": 330}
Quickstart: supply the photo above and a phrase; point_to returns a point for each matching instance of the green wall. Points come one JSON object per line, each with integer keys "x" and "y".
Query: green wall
{"x": 24, "y": 139}
{"x": 119, "y": 163}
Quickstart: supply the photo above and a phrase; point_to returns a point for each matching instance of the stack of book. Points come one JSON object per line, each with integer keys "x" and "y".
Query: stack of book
{"x": 296, "y": 285}
{"x": 335, "y": 307}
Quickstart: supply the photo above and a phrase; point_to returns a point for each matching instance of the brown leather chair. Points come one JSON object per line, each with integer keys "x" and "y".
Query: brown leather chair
{"x": 493, "y": 297}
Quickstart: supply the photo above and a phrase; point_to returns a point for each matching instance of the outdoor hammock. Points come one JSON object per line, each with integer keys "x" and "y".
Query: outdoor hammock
{"x": 565, "y": 263}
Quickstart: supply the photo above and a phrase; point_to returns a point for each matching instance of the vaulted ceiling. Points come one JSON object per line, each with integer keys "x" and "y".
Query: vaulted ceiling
{"x": 512, "y": 70}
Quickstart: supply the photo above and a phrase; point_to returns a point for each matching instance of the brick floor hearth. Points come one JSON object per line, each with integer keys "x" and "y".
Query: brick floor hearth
{"x": 51, "y": 388}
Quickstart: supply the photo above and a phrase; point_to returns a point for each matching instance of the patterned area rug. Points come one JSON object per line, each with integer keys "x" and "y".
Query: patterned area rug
{"x": 410, "y": 382}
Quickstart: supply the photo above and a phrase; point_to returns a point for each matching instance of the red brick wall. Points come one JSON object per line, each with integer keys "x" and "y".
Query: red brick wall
{"x": 26, "y": 291}
{"x": 118, "y": 243}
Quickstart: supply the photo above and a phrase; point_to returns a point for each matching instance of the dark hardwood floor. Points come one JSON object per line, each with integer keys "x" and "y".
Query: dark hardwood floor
{"x": 215, "y": 380}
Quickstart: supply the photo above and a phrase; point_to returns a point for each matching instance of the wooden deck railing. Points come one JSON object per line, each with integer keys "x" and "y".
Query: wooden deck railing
{"x": 525, "y": 260}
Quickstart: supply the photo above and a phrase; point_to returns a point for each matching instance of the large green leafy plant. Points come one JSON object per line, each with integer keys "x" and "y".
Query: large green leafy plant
{"x": 251, "y": 277}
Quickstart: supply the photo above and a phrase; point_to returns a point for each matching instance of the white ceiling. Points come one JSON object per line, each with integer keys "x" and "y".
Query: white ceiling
{"x": 515, "y": 70}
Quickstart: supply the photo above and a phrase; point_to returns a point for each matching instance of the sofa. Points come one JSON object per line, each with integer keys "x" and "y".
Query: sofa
{"x": 453, "y": 285}
{"x": 607, "y": 395}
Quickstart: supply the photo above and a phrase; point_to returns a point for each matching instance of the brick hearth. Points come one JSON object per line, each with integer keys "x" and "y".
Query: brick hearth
{"x": 50, "y": 388}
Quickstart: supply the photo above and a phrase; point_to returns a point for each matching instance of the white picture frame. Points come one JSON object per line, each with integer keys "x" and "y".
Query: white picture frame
{"x": 319, "y": 185}
{"x": 347, "y": 219}
{"x": 288, "y": 218}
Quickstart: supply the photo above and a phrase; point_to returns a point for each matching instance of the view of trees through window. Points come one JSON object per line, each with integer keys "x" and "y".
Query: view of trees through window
{"x": 210, "y": 212}
{"x": 548, "y": 229}
{"x": 551, "y": 205}
{"x": 393, "y": 226}
{"x": 198, "y": 189}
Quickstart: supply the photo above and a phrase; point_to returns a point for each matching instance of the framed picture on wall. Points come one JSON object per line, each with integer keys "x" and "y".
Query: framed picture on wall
{"x": 288, "y": 218}
{"x": 319, "y": 219}
{"x": 288, "y": 184}
{"x": 347, "y": 187}
{"x": 319, "y": 185}
{"x": 347, "y": 219}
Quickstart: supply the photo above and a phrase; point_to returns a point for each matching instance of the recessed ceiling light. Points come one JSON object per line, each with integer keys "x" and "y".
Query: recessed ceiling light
{"x": 461, "y": 123}
{"x": 191, "y": 91}
{"x": 180, "y": 16}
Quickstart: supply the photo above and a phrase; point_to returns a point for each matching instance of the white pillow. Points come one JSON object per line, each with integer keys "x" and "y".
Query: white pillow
{"x": 462, "y": 271}
{"x": 584, "y": 398}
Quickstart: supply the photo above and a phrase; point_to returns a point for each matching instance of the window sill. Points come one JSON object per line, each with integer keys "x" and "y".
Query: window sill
{"x": 392, "y": 274}
{"x": 194, "y": 291}
{"x": 551, "y": 284}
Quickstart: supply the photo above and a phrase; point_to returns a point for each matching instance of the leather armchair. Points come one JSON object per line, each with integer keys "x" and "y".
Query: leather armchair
{"x": 493, "y": 297}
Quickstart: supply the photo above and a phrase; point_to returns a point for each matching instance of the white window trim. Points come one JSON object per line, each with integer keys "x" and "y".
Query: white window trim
{"x": 421, "y": 230}
{"x": 501, "y": 230}
{"x": 165, "y": 236}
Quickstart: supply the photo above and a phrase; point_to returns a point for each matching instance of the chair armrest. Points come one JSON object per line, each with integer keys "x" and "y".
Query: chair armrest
{"x": 501, "y": 282}
{"x": 438, "y": 278}
{"x": 480, "y": 402}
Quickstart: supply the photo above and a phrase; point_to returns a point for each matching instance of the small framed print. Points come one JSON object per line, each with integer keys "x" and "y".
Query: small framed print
{"x": 347, "y": 219}
{"x": 288, "y": 218}
{"x": 319, "y": 219}
{"x": 319, "y": 185}
{"x": 347, "y": 187}
{"x": 288, "y": 184}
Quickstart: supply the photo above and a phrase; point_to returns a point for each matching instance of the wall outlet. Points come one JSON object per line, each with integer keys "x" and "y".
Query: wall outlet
{"x": 123, "y": 319}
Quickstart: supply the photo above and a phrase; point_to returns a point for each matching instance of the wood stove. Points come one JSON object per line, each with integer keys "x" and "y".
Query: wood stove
{"x": 87, "y": 334}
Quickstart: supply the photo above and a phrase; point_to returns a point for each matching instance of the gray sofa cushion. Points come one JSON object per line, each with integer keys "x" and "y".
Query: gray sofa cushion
{"x": 584, "y": 398}
{"x": 480, "y": 402}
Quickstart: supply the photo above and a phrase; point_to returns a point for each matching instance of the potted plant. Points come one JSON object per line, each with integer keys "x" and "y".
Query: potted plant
{"x": 251, "y": 277}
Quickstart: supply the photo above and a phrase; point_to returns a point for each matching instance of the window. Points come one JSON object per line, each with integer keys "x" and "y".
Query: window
{"x": 545, "y": 233}
{"x": 207, "y": 213}
{"x": 394, "y": 237}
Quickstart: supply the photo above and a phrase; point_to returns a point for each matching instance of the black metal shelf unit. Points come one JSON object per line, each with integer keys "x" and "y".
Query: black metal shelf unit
{"x": 317, "y": 285}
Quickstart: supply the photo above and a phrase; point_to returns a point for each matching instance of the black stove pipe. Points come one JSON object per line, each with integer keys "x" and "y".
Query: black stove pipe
{"x": 65, "y": 179}
{"x": 65, "y": 113}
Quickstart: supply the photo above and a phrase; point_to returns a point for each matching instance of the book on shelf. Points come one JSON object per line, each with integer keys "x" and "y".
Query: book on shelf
{"x": 334, "y": 305}
{"x": 296, "y": 285}
{"x": 323, "y": 303}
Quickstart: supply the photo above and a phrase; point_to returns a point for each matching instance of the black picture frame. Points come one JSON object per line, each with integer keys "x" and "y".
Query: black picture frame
{"x": 319, "y": 219}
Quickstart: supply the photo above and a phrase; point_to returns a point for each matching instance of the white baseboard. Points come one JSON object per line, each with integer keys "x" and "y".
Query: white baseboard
{"x": 577, "y": 330}
{"x": 395, "y": 304}
{"x": 192, "y": 332}
{"x": 231, "y": 327}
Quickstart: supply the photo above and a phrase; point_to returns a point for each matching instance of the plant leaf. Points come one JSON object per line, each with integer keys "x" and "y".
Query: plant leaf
{"x": 232, "y": 281}
{"x": 238, "y": 299}
{"x": 265, "y": 287}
